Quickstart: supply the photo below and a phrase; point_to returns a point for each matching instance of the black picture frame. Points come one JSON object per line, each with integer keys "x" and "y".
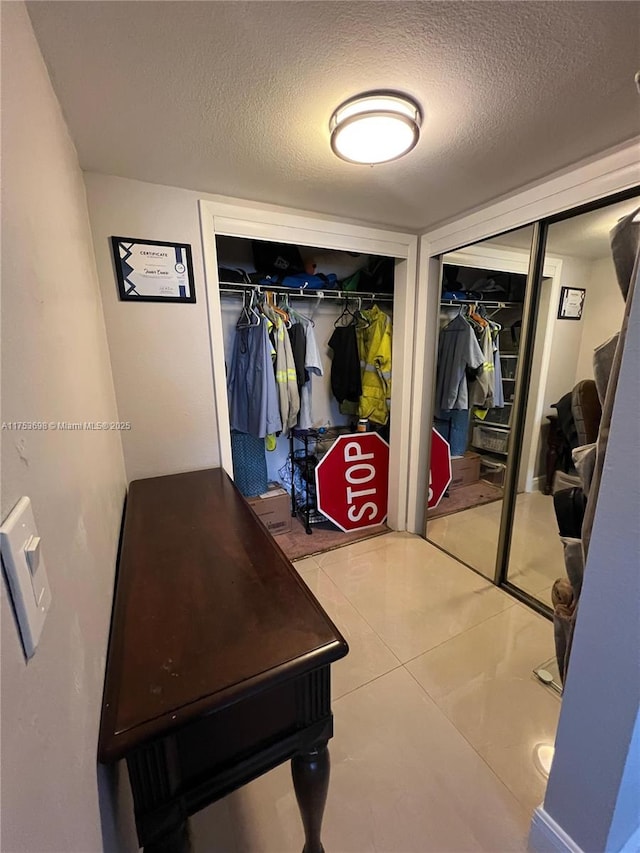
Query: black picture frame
{"x": 571, "y": 303}
{"x": 169, "y": 275}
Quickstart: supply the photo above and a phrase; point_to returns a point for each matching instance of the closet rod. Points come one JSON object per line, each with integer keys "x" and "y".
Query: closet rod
{"x": 304, "y": 293}
{"x": 486, "y": 302}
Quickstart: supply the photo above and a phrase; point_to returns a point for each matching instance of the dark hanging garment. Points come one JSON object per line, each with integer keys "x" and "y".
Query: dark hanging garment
{"x": 298, "y": 341}
{"x": 346, "y": 380}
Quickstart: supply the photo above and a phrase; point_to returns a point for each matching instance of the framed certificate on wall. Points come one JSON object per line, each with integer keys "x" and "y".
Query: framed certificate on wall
{"x": 153, "y": 271}
{"x": 571, "y": 303}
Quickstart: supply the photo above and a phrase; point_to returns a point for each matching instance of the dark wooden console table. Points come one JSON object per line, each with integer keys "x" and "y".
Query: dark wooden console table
{"x": 219, "y": 659}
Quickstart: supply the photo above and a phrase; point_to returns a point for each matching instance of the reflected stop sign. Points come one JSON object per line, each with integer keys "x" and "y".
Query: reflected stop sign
{"x": 352, "y": 481}
{"x": 440, "y": 468}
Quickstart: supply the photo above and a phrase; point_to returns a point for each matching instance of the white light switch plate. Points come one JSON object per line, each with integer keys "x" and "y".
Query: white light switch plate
{"x": 26, "y": 572}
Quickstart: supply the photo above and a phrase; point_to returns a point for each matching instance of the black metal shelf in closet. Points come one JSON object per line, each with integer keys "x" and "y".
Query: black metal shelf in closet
{"x": 304, "y": 457}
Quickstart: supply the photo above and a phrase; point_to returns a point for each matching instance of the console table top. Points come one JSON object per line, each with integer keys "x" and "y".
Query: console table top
{"x": 207, "y": 610}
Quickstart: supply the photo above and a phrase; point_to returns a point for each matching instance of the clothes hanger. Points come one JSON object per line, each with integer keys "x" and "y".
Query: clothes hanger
{"x": 253, "y": 307}
{"x": 346, "y": 312}
{"x": 493, "y": 324}
{"x": 464, "y": 312}
{"x": 363, "y": 321}
{"x": 294, "y": 315}
{"x": 246, "y": 318}
{"x": 266, "y": 310}
{"x": 371, "y": 303}
{"x": 301, "y": 318}
{"x": 477, "y": 317}
{"x": 270, "y": 301}
{"x": 474, "y": 319}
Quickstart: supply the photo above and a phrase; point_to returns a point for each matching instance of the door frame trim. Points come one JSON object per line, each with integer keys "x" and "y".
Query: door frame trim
{"x": 304, "y": 228}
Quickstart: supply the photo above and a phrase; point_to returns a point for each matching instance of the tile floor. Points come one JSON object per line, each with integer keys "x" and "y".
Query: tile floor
{"x": 436, "y": 714}
{"x": 536, "y": 558}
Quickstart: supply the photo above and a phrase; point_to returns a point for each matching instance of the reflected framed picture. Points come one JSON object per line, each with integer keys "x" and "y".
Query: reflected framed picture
{"x": 153, "y": 271}
{"x": 571, "y": 303}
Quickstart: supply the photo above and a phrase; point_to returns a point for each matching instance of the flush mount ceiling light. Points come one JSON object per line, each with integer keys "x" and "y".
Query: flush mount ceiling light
{"x": 375, "y": 127}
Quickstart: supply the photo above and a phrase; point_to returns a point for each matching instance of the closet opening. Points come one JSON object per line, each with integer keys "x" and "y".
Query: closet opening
{"x": 308, "y": 340}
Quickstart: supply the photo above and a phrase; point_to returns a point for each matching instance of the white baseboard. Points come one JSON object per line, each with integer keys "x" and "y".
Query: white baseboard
{"x": 546, "y": 836}
{"x": 538, "y": 482}
{"x": 534, "y": 484}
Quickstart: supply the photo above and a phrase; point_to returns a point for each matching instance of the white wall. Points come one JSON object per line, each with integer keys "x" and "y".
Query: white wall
{"x": 588, "y": 784}
{"x": 160, "y": 354}
{"x": 55, "y": 366}
{"x": 602, "y": 315}
{"x": 565, "y": 340}
{"x": 573, "y": 341}
{"x": 566, "y": 337}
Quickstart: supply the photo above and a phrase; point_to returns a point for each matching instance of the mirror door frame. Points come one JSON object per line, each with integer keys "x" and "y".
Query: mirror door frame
{"x": 590, "y": 184}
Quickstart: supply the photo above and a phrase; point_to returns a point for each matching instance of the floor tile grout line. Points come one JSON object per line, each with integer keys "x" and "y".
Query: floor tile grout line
{"x": 364, "y": 619}
{"x": 512, "y": 602}
{"x": 403, "y": 664}
{"x": 466, "y": 739}
{"x": 426, "y": 651}
{"x": 366, "y": 683}
{"x": 456, "y": 636}
{"x": 368, "y": 551}
{"x": 344, "y": 594}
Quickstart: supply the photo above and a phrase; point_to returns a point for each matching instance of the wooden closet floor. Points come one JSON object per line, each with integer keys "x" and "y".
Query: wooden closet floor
{"x": 465, "y": 497}
{"x": 298, "y": 544}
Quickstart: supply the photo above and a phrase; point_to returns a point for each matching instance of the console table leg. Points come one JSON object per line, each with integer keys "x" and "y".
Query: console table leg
{"x": 310, "y": 773}
{"x": 177, "y": 840}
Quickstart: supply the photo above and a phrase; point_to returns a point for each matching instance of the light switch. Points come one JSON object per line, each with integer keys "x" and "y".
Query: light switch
{"x": 21, "y": 548}
{"x": 32, "y": 549}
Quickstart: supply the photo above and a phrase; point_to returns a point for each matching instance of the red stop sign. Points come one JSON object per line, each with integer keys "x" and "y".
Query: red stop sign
{"x": 352, "y": 481}
{"x": 440, "y": 468}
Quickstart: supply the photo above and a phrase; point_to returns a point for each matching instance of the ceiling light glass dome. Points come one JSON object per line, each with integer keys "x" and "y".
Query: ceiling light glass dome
{"x": 376, "y": 127}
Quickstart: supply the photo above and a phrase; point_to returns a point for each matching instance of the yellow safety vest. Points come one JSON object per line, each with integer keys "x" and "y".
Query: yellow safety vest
{"x": 374, "y": 346}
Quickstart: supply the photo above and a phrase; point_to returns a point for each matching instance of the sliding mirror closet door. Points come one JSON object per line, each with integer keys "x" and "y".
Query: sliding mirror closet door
{"x": 481, "y": 312}
{"x": 579, "y": 307}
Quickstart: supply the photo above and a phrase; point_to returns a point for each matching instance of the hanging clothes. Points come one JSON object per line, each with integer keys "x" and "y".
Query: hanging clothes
{"x": 297, "y": 339}
{"x": 498, "y": 387}
{"x": 346, "y": 381}
{"x": 453, "y": 426}
{"x": 313, "y": 367}
{"x": 374, "y": 333}
{"x": 251, "y": 385}
{"x": 458, "y": 349}
{"x": 482, "y": 390}
{"x": 286, "y": 377}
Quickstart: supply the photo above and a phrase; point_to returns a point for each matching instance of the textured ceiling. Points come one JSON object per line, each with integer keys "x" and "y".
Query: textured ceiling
{"x": 235, "y": 97}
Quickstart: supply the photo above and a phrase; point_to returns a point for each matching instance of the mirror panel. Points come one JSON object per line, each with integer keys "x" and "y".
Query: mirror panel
{"x": 580, "y": 307}
{"x": 483, "y": 291}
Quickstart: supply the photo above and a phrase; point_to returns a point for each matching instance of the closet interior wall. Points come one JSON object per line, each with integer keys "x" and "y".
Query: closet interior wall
{"x": 236, "y": 253}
